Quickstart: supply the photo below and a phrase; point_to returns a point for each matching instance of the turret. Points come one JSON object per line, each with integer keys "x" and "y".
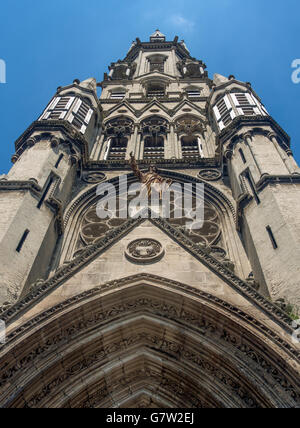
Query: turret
{"x": 265, "y": 183}
{"x": 35, "y": 191}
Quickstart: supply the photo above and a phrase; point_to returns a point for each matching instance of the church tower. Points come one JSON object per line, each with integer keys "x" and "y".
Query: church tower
{"x": 142, "y": 311}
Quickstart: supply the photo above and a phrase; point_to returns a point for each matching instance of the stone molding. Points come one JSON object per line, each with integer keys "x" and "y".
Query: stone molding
{"x": 202, "y": 322}
{"x": 73, "y": 137}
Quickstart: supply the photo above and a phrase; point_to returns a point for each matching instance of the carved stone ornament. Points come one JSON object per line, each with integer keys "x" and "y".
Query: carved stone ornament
{"x": 144, "y": 251}
{"x": 189, "y": 125}
{"x": 93, "y": 177}
{"x": 210, "y": 175}
{"x": 119, "y": 127}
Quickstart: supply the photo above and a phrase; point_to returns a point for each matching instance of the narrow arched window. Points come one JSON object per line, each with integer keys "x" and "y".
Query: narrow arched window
{"x": 117, "y": 148}
{"x": 154, "y": 147}
{"x": 191, "y": 147}
{"x": 155, "y": 90}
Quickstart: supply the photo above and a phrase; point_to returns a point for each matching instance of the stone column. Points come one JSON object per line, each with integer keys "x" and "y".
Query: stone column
{"x": 107, "y": 149}
{"x": 200, "y": 145}
{"x": 98, "y": 147}
{"x": 140, "y": 146}
{"x": 248, "y": 139}
{"x": 285, "y": 158}
{"x": 170, "y": 150}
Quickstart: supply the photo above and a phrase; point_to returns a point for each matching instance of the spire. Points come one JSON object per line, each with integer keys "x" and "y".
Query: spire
{"x": 90, "y": 83}
{"x": 157, "y": 36}
{"x": 219, "y": 79}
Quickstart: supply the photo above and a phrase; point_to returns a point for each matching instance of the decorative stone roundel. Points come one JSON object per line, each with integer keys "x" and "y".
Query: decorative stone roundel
{"x": 210, "y": 174}
{"x": 144, "y": 251}
{"x": 94, "y": 177}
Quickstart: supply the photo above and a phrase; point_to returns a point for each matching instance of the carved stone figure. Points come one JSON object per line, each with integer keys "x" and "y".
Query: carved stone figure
{"x": 150, "y": 180}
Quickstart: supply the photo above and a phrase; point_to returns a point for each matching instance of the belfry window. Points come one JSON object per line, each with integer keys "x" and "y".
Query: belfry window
{"x": 72, "y": 109}
{"x": 191, "y": 147}
{"x": 116, "y": 133}
{"x": 224, "y": 112}
{"x": 245, "y": 104}
{"x": 81, "y": 115}
{"x": 155, "y": 90}
{"x": 116, "y": 148}
{"x": 154, "y": 130}
{"x": 117, "y": 95}
{"x": 58, "y": 108}
{"x": 237, "y": 104}
{"x": 193, "y": 93}
{"x": 154, "y": 147}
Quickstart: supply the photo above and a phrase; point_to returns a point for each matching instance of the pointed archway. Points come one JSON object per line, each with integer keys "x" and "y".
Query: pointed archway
{"x": 146, "y": 341}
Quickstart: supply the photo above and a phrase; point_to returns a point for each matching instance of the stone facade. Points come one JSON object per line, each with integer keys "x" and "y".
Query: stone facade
{"x": 143, "y": 312}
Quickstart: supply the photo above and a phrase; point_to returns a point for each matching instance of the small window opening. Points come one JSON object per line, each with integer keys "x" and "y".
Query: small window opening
{"x": 45, "y": 192}
{"x": 22, "y": 241}
{"x": 272, "y": 237}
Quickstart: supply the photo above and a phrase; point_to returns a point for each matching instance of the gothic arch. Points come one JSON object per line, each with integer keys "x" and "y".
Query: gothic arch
{"x": 88, "y": 198}
{"x": 152, "y": 116}
{"x": 146, "y": 336}
{"x": 120, "y": 121}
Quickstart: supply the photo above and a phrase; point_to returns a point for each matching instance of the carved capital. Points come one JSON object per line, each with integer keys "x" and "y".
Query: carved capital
{"x": 272, "y": 135}
{"x": 247, "y": 135}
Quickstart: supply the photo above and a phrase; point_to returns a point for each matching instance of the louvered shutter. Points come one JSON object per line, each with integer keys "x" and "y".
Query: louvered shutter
{"x": 260, "y": 107}
{"x": 59, "y": 108}
{"x": 236, "y": 102}
{"x": 50, "y": 108}
{"x": 86, "y": 120}
{"x": 64, "y": 105}
{"x": 81, "y": 115}
{"x": 75, "y": 110}
{"x": 245, "y": 104}
{"x": 223, "y": 112}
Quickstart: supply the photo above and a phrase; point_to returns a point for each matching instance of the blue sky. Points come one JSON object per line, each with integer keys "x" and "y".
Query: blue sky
{"x": 47, "y": 44}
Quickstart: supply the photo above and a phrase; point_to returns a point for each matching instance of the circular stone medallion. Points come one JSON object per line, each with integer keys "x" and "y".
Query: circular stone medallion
{"x": 210, "y": 175}
{"x": 94, "y": 177}
{"x": 144, "y": 251}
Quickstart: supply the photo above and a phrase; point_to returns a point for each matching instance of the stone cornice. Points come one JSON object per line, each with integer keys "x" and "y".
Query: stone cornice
{"x": 160, "y": 163}
{"x": 157, "y": 103}
{"x": 251, "y": 121}
{"x": 49, "y": 126}
{"x": 17, "y": 185}
{"x": 146, "y": 100}
{"x": 230, "y": 82}
{"x": 156, "y": 46}
{"x": 267, "y": 179}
